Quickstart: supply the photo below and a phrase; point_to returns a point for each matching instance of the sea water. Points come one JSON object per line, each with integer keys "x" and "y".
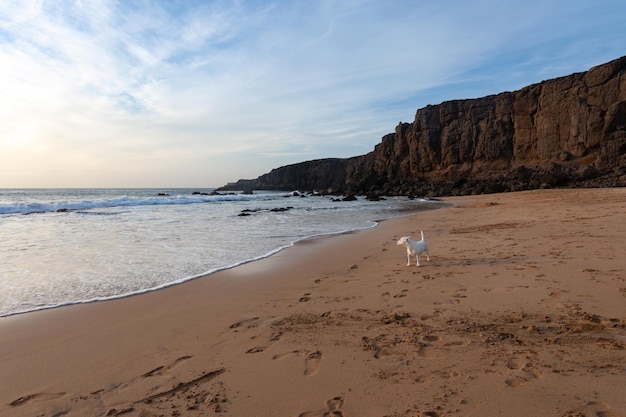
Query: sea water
{"x": 66, "y": 246}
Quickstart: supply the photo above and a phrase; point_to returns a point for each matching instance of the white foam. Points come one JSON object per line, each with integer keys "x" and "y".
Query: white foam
{"x": 58, "y": 260}
{"x": 123, "y": 201}
{"x": 178, "y": 281}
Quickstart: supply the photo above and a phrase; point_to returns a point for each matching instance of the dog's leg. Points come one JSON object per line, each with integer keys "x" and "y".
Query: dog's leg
{"x": 418, "y": 259}
{"x": 427, "y": 254}
{"x": 408, "y": 258}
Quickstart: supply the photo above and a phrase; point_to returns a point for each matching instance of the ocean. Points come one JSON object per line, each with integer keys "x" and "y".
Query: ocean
{"x": 67, "y": 246}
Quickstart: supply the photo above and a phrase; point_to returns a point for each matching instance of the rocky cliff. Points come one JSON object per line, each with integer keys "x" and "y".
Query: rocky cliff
{"x": 568, "y": 131}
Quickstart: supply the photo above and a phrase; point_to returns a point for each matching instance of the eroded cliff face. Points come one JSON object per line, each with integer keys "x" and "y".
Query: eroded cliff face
{"x": 568, "y": 131}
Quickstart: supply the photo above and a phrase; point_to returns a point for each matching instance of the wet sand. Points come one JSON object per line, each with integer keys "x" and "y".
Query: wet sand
{"x": 521, "y": 311}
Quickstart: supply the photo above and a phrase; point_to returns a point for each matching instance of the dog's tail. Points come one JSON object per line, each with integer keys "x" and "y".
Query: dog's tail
{"x": 422, "y": 234}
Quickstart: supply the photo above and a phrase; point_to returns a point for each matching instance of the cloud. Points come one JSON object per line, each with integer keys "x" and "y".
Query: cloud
{"x": 209, "y": 92}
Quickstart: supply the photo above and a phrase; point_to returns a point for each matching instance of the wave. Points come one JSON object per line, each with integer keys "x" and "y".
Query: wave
{"x": 179, "y": 281}
{"x": 125, "y": 201}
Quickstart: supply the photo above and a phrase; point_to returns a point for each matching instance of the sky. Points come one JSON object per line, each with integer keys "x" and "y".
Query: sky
{"x": 182, "y": 93}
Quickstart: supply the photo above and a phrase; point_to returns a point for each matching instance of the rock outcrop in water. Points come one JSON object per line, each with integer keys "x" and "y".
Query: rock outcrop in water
{"x": 564, "y": 132}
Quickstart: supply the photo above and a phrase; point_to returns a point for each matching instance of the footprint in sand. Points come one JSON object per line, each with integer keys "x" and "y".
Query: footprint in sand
{"x": 460, "y": 293}
{"x": 532, "y": 371}
{"x": 311, "y": 359}
{"x": 312, "y": 362}
{"x": 456, "y": 343}
{"x": 526, "y": 371}
{"x": 159, "y": 370}
{"x": 385, "y": 296}
{"x": 36, "y": 397}
{"x": 427, "y": 351}
{"x": 256, "y": 349}
{"x": 274, "y": 336}
{"x": 593, "y": 408}
{"x": 515, "y": 382}
{"x": 430, "y": 338}
{"x": 333, "y": 409}
{"x": 249, "y": 323}
{"x": 429, "y": 414}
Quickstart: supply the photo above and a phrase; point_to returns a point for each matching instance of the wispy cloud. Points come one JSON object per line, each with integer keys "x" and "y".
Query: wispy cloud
{"x": 105, "y": 93}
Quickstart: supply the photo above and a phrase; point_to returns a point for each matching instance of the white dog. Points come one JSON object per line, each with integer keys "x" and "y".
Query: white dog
{"x": 414, "y": 248}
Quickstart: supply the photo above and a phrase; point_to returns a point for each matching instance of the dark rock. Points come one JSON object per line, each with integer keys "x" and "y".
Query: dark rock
{"x": 590, "y": 173}
{"x": 248, "y": 212}
{"x": 203, "y": 193}
{"x": 327, "y": 176}
{"x": 565, "y": 132}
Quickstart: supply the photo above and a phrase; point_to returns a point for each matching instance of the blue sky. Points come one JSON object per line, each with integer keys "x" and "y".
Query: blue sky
{"x": 198, "y": 93}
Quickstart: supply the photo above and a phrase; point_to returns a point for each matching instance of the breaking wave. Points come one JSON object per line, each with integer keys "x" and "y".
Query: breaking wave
{"x": 125, "y": 201}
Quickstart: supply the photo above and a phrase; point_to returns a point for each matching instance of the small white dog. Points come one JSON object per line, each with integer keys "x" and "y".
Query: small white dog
{"x": 414, "y": 248}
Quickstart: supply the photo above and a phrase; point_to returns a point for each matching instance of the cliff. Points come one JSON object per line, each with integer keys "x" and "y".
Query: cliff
{"x": 568, "y": 131}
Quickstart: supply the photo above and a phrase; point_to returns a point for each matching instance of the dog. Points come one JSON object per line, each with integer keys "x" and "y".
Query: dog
{"x": 414, "y": 248}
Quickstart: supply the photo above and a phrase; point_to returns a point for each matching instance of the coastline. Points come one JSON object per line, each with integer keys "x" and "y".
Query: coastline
{"x": 369, "y": 224}
{"x": 157, "y": 243}
{"x": 521, "y": 308}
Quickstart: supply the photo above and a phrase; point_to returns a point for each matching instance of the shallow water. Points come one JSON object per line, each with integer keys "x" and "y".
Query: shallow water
{"x": 64, "y": 246}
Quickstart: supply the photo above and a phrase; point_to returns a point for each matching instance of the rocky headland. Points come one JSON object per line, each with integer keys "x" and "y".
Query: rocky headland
{"x": 564, "y": 132}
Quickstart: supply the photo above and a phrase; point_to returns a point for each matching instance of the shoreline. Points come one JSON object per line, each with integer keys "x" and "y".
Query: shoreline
{"x": 206, "y": 274}
{"x": 520, "y": 310}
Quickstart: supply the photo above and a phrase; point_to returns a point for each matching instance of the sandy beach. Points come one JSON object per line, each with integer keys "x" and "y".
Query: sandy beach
{"x": 521, "y": 311}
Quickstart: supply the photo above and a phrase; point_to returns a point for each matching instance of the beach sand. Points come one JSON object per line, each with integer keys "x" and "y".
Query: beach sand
{"x": 521, "y": 311}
